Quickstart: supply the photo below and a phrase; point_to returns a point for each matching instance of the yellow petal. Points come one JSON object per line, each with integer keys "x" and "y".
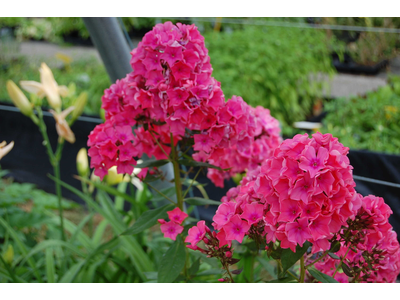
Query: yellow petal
{"x": 82, "y": 163}
{"x": 32, "y": 87}
{"x": 50, "y": 87}
{"x": 5, "y": 149}
{"x": 63, "y": 90}
{"x": 65, "y": 131}
{"x": 19, "y": 99}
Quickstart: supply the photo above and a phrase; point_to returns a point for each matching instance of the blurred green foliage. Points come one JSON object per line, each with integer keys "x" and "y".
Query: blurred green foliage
{"x": 272, "y": 67}
{"x": 371, "y": 122}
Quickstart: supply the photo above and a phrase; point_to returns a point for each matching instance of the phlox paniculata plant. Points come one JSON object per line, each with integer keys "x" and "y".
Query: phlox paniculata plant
{"x": 171, "y": 97}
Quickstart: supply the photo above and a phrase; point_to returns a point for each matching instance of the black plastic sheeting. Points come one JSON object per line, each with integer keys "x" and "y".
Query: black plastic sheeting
{"x": 28, "y": 162}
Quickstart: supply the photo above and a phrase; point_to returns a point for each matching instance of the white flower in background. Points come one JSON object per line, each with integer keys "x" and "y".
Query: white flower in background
{"x": 62, "y": 126}
{"x": 4, "y": 148}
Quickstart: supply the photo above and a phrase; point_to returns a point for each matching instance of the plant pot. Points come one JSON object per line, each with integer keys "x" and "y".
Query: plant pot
{"x": 349, "y": 66}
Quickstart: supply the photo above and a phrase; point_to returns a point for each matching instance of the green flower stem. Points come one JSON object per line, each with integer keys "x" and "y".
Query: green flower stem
{"x": 317, "y": 260}
{"x": 226, "y": 267}
{"x": 159, "y": 145}
{"x": 177, "y": 177}
{"x": 191, "y": 184}
{"x": 341, "y": 261}
{"x": 55, "y": 162}
{"x": 161, "y": 193}
{"x": 291, "y": 274}
{"x": 302, "y": 270}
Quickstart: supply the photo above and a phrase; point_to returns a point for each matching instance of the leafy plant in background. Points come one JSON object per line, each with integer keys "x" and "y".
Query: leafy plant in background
{"x": 272, "y": 67}
{"x": 367, "y": 48}
{"x": 370, "y": 122}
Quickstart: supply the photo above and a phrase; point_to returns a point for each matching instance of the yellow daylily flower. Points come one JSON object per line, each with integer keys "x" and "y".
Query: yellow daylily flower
{"x": 62, "y": 126}
{"x": 4, "y": 148}
{"x": 47, "y": 87}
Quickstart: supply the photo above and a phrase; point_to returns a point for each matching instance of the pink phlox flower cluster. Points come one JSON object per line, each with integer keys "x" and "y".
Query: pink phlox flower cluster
{"x": 304, "y": 192}
{"x": 172, "y": 228}
{"x": 171, "y": 90}
{"x": 377, "y": 251}
{"x": 256, "y": 143}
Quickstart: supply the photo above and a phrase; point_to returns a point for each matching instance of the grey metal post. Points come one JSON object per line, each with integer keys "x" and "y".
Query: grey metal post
{"x": 113, "y": 48}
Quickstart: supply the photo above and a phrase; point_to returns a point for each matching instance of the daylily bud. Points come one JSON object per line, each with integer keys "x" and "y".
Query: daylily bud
{"x": 8, "y": 256}
{"x": 82, "y": 163}
{"x": 4, "y": 148}
{"x": 50, "y": 87}
{"x": 80, "y": 104}
{"x": 113, "y": 178}
{"x": 19, "y": 99}
{"x": 93, "y": 177}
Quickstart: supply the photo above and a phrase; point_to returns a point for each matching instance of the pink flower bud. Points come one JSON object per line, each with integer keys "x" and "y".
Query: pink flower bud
{"x": 221, "y": 280}
{"x": 161, "y": 221}
{"x": 205, "y": 240}
{"x": 228, "y": 254}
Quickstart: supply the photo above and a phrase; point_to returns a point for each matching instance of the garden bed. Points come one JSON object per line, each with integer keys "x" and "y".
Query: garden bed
{"x": 349, "y": 66}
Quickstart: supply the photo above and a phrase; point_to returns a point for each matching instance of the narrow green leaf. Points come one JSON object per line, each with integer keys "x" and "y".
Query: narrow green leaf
{"x": 172, "y": 262}
{"x": 283, "y": 280}
{"x": 267, "y": 266}
{"x": 152, "y": 163}
{"x": 148, "y": 219}
{"x": 72, "y": 272}
{"x": 201, "y": 201}
{"x": 333, "y": 255}
{"x": 194, "y": 268}
{"x": 151, "y": 275}
{"x": 50, "y": 268}
{"x": 193, "y": 163}
{"x": 321, "y": 276}
{"x": 108, "y": 189}
{"x": 289, "y": 258}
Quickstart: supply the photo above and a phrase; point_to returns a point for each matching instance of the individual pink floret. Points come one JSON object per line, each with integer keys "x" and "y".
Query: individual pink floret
{"x": 177, "y": 216}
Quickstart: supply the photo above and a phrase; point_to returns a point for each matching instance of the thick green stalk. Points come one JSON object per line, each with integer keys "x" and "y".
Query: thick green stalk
{"x": 177, "y": 176}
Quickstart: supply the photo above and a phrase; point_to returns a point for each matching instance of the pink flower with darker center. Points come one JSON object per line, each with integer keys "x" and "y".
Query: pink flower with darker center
{"x": 127, "y": 152}
{"x": 196, "y": 233}
{"x": 236, "y": 228}
{"x": 252, "y": 213}
{"x": 177, "y": 216}
{"x": 203, "y": 142}
{"x": 171, "y": 230}
{"x": 177, "y": 96}
{"x": 172, "y": 54}
{"x": 313, "y": 162}
{"x": 298, "y": 232}
{"x": 109, "y": 149}
{"x": 289, "y": 210}
{"x": 223, "y": 214}
{"x": 180, "y": 70}
{"x": 303, "y": 189}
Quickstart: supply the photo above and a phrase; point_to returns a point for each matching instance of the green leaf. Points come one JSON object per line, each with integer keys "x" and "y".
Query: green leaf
{"x": 289, "y": 258}
{"x": 333, "y": 255}
{"x": 50, "y": 268}
{"x": 172, "y": 262}
{"x": 194, "y": 268}
{"x": 267, "y": 266}
{"x": 148, "y": 219}
{"x": 193, "y": 163}
{"x": 152, "y": 163}
{"x": 151, "y": 275}
{"x": 321, "y": 276}
{"x": 282, "y": 280}
{"x": 335, "y": 247}
{"x": 201, "y": 201}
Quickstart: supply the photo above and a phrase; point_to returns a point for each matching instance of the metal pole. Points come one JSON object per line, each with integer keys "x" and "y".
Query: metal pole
{"x": 111, "y": 44}
{"x": 113, "y": 48}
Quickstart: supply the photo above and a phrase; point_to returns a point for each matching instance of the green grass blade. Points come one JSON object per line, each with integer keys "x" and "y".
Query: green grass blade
{"x": 50, "y": 268}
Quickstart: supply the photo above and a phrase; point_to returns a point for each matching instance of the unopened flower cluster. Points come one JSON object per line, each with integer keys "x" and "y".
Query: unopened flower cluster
{"x": 171, "y": 92}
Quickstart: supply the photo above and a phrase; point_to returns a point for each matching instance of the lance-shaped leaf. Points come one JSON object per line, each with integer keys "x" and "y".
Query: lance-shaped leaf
{"x": 152, "y": 163}
{"x": 193, "y": 163}
{"x": 148, "y": 219}
{"x": 201, "y": 201}
{"x": 172, "y": 262}
{"x": 289, "y": 258}
{"x": 321, "y": 276}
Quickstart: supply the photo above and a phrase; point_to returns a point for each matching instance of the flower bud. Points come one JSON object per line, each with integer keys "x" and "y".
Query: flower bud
{"x": 113, "y": 178}
{"x": 228, "y": 254}
{"x": 8, "y": 256}
{"x": 82, "y": 163}
{"x": 205, "y": 240}
{"x": 221, "y": 280}
{"x": 79, "y": 104}
{"x": 19, "y": 99}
